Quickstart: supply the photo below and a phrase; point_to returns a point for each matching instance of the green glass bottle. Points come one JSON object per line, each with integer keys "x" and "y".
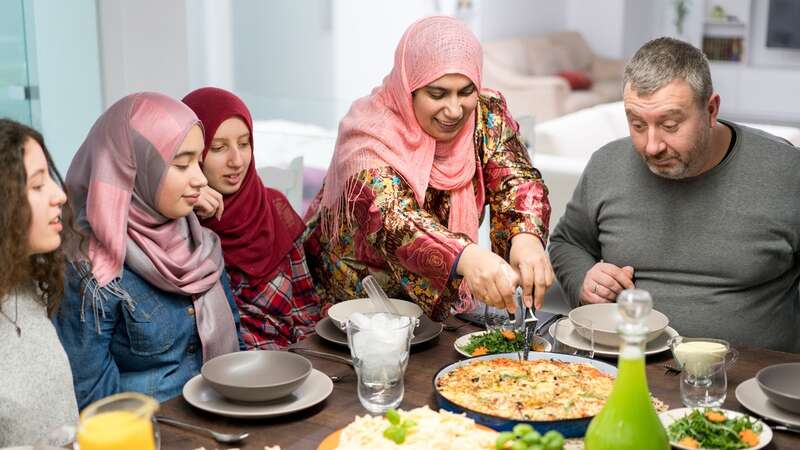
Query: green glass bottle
{"x": 628, "y": 420}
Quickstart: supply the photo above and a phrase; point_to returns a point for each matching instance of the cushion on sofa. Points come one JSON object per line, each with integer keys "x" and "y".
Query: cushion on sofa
{"x": 543, "y": 58}
{"x": 572, "y": 43}
{"x": 578, "y": 81}
{"x": 511, "y": 54}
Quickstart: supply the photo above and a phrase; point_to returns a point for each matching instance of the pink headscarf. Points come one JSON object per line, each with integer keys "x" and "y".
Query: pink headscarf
{"x": 382, "y": 130}
{"x": 114, "y": 181}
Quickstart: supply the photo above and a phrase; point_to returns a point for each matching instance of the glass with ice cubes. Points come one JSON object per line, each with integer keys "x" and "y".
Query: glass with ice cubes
{"x": 379, "y": 344}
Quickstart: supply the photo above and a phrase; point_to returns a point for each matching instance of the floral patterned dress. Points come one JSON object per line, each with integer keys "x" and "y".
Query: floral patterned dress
{"x": 407, "y": 246}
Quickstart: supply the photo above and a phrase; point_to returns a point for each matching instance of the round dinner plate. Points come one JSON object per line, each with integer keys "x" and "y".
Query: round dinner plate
{"x": 673, "y": 415}
{"x": 425, "y": 331}
{"x": 201, "y": 395}
{"x": 567, "y": 335}
{"x": 750, "y": 395}
{"x": 462, "y": 341}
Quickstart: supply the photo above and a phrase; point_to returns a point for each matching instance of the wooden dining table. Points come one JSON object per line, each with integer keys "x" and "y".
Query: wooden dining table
{"x": 305, "y": 430}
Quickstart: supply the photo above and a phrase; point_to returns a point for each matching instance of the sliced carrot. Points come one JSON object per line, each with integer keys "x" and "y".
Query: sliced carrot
{"x": 690, "y": 442}
{"x": 749, "y": 437}
{"x": 480, "y": 351}
{"x": 508, "y": 334}
{"x": 716, "y": 417}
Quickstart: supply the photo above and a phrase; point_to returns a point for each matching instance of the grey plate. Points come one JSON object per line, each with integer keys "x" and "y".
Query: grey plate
{"x": 753, "y": 398}
{"x": 201, "y": 395}
{"x": 426, "y": 331}
{"x": 567, "y": 335}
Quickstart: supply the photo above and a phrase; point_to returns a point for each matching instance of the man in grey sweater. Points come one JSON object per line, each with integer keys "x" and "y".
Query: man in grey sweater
{"x": 701, "y": 212}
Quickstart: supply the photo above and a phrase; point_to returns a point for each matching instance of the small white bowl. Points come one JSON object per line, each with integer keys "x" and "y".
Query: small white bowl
{"x": 605, "y": 319}
{"x": 340, "y": 312}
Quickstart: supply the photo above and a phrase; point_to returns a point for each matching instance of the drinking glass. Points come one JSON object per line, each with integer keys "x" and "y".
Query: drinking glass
{"x": 707, "y": 389}
{"x": 572, "y": 337}
{"x": 704, "y": 363}
{"x": 380, "y": 348}
{"x": 119, "y": 422}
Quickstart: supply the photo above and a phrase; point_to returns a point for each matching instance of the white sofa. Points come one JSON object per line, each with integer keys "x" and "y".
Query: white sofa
{"x": 525, "y": 70}
{"x": 561, "y": 147}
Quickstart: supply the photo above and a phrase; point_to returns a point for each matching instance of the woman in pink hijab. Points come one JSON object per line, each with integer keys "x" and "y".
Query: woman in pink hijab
{"x": 146, "y": 300}
{"x": 415, "y": 163}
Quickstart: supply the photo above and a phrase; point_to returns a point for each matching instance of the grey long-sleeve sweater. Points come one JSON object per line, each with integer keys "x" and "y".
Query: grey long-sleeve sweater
{"x": 720, "y": 252}
{"x": 36, "y": 393}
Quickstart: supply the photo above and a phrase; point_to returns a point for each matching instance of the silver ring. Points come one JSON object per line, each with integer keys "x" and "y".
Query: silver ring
{"x": 594, "y": 289}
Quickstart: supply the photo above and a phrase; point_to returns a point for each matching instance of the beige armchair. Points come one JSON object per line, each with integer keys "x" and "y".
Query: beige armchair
{"x": 525, "y": 70}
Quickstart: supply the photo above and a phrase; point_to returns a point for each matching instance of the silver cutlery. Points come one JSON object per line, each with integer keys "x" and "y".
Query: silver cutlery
{"x": 225, "y": 438}
{"x": 525, "y": 320}
{"x": 671, "y": 369}
{"x": 323, "y": 355}
{"x": 777, "y": 425}
{"x": 545, "y": 325}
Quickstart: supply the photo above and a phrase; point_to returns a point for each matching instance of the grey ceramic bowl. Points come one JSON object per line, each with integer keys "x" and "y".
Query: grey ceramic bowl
{"x": 256, "y": 376}
{"x": 781, "y": 385}
{"x": 605, "y": 319}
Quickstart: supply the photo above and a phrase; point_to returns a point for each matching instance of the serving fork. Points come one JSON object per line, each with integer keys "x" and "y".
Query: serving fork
{"x": 525, "y": 320}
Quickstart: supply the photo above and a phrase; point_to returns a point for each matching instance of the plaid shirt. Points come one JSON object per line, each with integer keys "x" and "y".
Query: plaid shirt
{"x": 279, "y": 311}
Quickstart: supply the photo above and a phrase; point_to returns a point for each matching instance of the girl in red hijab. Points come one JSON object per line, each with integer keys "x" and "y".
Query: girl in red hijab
{"x": 258, "y": 228}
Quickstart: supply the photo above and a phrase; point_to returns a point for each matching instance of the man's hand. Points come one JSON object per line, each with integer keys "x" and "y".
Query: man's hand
{"x": 532, "y": 264}
{"x": 210, "y": 204}
{"x": 604, "y": 281}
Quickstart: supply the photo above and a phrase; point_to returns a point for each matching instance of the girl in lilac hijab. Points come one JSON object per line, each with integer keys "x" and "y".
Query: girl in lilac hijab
{"x": 146, "y": 299}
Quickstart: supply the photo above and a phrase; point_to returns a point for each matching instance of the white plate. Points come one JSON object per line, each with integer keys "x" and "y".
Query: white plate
{"x": 462, "y": 341}
{"x": 340, "y": 312}
{"x": 201, "y": 395}
{"x": 567, "y": 335}
{"x": 673, "y": 415}
{"x": 750, "y": 395}
{"x": 425, "y": 331}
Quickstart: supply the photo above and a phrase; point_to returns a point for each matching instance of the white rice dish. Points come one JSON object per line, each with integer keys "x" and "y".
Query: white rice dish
{"x": 434, "y": 430}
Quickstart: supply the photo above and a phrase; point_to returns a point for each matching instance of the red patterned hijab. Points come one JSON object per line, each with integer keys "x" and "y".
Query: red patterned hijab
{"x": 258, "y": 227}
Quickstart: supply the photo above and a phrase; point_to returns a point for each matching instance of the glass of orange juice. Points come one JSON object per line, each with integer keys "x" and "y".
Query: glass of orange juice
{"x": 119, "y": 422}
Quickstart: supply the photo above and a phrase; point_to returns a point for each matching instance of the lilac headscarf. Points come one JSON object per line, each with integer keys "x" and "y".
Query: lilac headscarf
{"x": 113, "y": 183}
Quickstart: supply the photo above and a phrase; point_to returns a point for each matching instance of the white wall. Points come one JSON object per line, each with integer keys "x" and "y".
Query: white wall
{"x": 600, "y": 22}
{"x": 363, "y": 50}
{"x": 500, "y": 19}
{"x": 283, "y": 59}
{"x": 144, "y": 47}
{"x": 760, "y": 54}
{"x": 209, "y": 29}
{"x": 67, "y": 69}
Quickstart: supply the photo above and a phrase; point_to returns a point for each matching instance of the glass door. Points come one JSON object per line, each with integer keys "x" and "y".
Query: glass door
{"x": 16, "y": 91}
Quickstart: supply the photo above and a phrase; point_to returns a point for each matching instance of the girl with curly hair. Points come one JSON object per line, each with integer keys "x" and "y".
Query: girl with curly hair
{"x": 36, "y": 391}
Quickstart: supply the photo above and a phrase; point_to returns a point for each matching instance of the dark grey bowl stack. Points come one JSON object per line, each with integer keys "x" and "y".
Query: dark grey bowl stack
{"x": 781, "y": 385}
{"x": 256, "y": 376}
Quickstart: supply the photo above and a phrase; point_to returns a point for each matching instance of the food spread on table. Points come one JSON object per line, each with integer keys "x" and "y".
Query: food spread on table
{"x": 535, "y": 390}
{"x": 713, "y": 429}
{"x": 498, "y": 341}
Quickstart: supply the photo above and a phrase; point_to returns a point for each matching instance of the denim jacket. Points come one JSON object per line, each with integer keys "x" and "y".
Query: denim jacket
{"x": 146, "y": 341}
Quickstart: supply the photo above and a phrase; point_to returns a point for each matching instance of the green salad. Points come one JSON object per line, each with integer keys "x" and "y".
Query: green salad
{"x": 711, "y": 428}
{"x": 505, "y": 341}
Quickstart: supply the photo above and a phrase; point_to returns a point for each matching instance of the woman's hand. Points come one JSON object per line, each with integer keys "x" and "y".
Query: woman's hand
{"x": 489, "y": 277}
{"x": 210, "y": 204}
{"x": 532, "y": 264}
